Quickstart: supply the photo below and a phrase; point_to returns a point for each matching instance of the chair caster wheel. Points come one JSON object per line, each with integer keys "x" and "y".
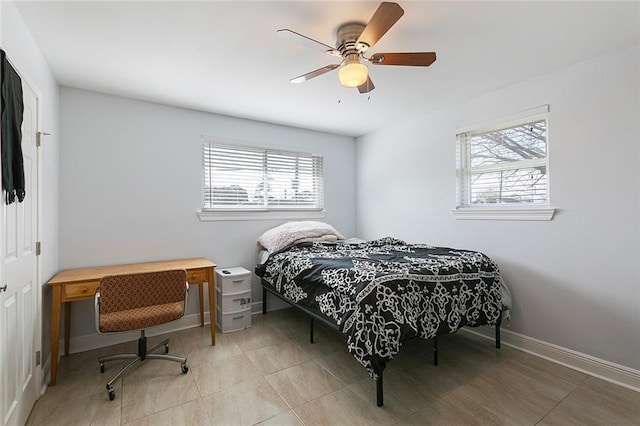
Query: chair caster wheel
{"x": 102, "y": 367}
{"x": 185, "y": 368}
{"x": 112, "y": 393}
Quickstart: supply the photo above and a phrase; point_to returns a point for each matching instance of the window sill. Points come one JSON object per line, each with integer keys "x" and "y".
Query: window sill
{"x": 505, "y": 213}
{"x": 210, "y": 216}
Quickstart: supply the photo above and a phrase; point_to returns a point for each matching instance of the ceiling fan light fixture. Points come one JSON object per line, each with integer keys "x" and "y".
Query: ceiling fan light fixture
{"x": 353, "y": 74}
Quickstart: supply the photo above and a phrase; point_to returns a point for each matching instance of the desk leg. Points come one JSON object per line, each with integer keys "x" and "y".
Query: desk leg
{"x": 67, "y": 326}
{"x": 56, "y": 300}
{"x": 201, "y": 299}
{"x": 212, "y": 303}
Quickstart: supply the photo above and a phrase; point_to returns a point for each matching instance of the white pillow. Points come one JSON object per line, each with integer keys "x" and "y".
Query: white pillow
{"x": 328, "y": 238}
{"x": 286, "y": 234}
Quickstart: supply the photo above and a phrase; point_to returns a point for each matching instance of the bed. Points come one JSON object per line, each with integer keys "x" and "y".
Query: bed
{"x": 381, "y": 293}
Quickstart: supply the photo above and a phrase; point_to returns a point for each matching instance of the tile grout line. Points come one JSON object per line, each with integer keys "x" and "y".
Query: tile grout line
{"x": 577, "y": 385}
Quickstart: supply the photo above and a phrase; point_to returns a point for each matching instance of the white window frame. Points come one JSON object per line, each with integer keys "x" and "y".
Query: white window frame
{"x": 265, "y": 212}
{"x": 516, "y": 211}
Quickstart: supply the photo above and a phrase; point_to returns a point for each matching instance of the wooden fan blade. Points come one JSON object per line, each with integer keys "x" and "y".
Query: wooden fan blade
{"x": 384, "y": 18}
{"x": 367, "y": 86}
{"x": 307, "y": 41}
{"x": 412, "y": 59}
{"x": 308, "y": 76}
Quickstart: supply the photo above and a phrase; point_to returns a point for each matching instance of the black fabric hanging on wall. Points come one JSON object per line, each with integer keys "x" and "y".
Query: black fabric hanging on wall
{"x": 11, "y": 109}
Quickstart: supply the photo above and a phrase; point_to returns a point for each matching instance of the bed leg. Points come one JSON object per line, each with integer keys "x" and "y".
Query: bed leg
{"x": 378, "y": 368}
{"x": 435, "y": 350}
{"x": 264, "y": 301}
{"x": 498, "y": 331}
{"x": 379, "y": 391}
{"x": 311, "y": 330}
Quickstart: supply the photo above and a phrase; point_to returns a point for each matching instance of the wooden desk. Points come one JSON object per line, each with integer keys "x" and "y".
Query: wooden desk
{"x": 81, "y": 284}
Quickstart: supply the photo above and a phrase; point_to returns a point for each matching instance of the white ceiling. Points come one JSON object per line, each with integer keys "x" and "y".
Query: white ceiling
{"x": 225, "y": 57}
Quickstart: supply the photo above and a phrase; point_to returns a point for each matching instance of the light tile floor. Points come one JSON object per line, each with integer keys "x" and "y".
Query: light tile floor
{"x": 270, "y": 374}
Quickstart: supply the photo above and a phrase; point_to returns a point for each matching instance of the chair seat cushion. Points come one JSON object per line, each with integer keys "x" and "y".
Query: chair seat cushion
{"x": 140, "y": 318}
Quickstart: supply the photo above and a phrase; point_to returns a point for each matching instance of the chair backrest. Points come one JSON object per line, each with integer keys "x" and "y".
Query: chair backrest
{"x": 138, "y": 290}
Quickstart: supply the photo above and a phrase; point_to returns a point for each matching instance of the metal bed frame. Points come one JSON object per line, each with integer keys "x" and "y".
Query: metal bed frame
{"x": 315, "y": 315}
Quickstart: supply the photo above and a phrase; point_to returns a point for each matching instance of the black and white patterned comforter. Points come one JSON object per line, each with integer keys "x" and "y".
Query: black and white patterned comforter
{"x": 383, "y": 292}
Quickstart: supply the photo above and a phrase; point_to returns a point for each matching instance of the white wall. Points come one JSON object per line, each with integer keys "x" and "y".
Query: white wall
{"x": 26, "y": 58}
{"x": 575, "y": 280}
{"x": 130, "y": 185}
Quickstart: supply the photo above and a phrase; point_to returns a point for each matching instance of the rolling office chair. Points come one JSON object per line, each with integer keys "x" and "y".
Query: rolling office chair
{"x": 138, "y": 301}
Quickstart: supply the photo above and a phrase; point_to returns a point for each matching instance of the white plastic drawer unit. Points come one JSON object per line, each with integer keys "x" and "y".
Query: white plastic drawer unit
{"x": 233, "y": 280}
{"x": 234, "y": 321}
{"x": 234, "y": 302}
{"x": 233, "y": 299}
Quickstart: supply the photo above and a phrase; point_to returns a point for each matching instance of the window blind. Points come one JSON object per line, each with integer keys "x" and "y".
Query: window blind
{"x": 252, "y": 178}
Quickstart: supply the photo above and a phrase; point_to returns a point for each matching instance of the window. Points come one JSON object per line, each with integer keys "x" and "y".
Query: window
{"x": 244, "y": 178}
{"x": 504, "y": 165}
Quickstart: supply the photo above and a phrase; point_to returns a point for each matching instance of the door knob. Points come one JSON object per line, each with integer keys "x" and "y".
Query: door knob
{"x": 3, "y": 288}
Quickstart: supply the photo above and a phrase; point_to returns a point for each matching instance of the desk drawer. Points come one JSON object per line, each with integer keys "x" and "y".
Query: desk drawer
{"x": 79, "y": 291}
{"x": 197, "y": 276}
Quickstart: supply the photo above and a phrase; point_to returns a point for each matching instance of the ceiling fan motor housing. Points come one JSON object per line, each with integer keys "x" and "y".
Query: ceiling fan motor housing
{"x": 346, "y": 37}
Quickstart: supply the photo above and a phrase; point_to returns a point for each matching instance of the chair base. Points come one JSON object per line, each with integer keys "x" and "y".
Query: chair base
{"x": 143, "y": 354}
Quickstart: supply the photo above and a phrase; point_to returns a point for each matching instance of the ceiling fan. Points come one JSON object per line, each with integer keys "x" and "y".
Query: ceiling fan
{"x": 353, "y": 40}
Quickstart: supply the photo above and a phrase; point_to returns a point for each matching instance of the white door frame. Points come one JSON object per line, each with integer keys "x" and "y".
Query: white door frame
{"x": 40, "y": 287}
{"x": 40, "y": 387}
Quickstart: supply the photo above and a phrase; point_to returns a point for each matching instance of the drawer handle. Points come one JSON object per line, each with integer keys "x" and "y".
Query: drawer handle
{"x": 84, "y": 290}
{"x": 237, "y": 281}
{"x": 243, "y": 300}
{"x": 240, "y": 317}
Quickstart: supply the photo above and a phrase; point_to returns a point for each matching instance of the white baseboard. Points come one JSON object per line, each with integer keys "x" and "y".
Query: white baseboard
{"x": 605, "y": 370}
{"x": 94, "y": 341}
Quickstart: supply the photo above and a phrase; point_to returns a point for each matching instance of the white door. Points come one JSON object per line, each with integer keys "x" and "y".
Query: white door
{"x": 19, "y": 330}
